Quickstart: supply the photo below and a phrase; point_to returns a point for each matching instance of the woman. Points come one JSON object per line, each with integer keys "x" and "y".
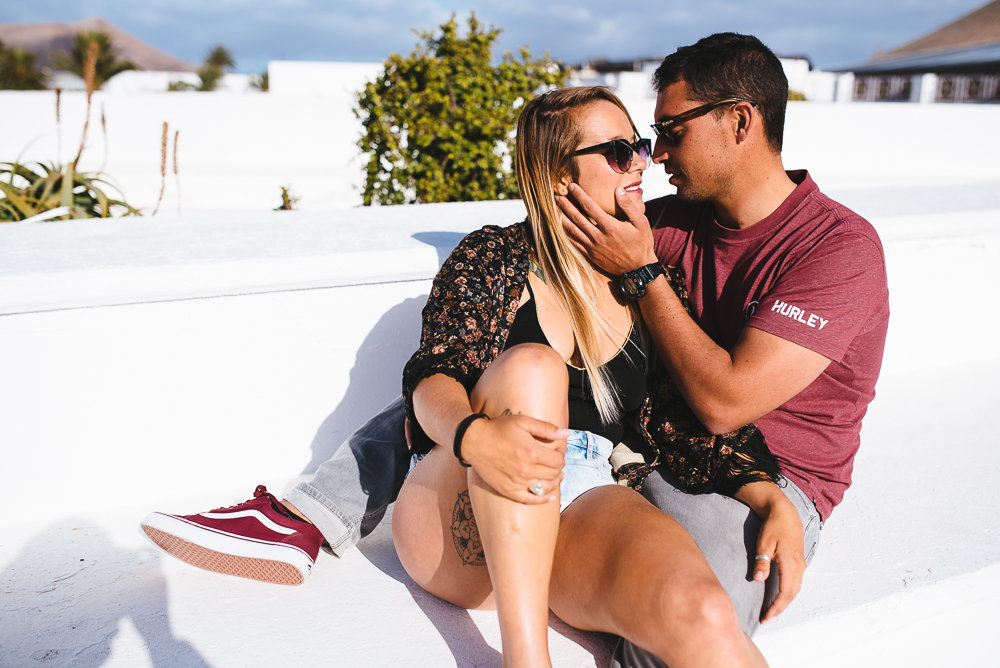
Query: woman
{"x": 527, "y": 350}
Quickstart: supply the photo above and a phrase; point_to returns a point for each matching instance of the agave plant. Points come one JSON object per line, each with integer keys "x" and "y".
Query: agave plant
{"x": 27, "y": 191}
{"x": 56, "y": 192}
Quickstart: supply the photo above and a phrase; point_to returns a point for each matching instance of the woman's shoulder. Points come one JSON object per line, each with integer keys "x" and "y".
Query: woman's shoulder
{"x": 497, "y": 238}
{"x": 513, "y": 233}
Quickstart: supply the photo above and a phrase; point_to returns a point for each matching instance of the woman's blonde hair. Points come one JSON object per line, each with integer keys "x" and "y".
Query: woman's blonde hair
{"x": 548, "y": 132}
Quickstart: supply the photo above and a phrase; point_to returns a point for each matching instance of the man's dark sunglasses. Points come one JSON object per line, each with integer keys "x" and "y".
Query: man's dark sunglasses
{"x": 619, "y": 152}
{"x": 665, "y": 127}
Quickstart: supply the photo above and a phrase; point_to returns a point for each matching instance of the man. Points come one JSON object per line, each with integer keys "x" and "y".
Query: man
{"x": 788, "y": 318}
{"x": 789, "y": 303}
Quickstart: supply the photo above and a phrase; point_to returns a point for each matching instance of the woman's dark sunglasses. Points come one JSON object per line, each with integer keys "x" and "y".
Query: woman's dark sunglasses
{"x": 619, "y": 152}
{"x": 665, "y": 127}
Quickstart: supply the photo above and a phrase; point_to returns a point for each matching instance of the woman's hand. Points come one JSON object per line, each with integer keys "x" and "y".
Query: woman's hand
{"x": 514, "y": 452}
{"x": 780, "y": 543}
{"x": 510, "y": 452}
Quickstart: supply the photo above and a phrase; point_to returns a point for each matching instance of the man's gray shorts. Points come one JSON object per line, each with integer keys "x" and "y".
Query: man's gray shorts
{"x": 726, "y": 531}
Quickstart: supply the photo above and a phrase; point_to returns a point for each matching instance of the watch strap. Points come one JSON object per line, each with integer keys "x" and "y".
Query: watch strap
{"x": 640, "y": 278}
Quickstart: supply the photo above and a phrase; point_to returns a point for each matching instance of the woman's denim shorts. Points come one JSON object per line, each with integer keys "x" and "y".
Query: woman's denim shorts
{"x": 587, "y": 465}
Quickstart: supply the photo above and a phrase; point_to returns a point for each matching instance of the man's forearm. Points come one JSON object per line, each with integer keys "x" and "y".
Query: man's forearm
{"x": 763, "y": 498}
{"x": 726, "y": 389}
{"x": 695, "y": 362}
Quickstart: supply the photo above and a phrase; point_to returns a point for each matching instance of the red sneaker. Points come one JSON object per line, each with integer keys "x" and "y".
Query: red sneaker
{"x": 254, "y": 539}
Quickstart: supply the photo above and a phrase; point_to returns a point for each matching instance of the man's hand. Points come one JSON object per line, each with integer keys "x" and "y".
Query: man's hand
{"x": 514, "y": 452}
{"x": 781, "y": 539}
{"x": 614, "y": 245}
{"x": 780, "y": 543}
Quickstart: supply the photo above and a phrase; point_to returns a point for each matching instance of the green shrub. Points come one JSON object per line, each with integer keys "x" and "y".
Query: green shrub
{"x": 439, "y": 124}
{"x": 261, "y": 82}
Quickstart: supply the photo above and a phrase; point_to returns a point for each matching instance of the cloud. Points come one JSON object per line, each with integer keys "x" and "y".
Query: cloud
{"x": 257, "y": 31}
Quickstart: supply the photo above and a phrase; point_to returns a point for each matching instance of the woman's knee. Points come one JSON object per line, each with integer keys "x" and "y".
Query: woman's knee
{"x": 525, "y": 373}
{"x": 529, "y": 363}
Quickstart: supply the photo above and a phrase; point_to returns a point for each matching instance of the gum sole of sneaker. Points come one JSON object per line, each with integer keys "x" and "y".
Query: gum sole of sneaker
{"x": 264, "y": 570}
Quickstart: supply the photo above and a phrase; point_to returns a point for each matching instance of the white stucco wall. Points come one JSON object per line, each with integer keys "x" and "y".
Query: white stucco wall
{"x": 236, "y": 150}
{"x": 306, "y": 78}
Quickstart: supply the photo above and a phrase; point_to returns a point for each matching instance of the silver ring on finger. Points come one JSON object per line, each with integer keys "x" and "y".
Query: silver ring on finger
{"x": 537, "y": 489}
{"x": 764, "y": 557}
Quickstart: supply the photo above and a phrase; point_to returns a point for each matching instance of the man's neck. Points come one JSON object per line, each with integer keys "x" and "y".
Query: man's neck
{"x": 754, "y": 197}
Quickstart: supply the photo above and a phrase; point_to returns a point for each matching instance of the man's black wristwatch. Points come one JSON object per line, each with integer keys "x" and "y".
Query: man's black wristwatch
{"x": 633, "y": 283}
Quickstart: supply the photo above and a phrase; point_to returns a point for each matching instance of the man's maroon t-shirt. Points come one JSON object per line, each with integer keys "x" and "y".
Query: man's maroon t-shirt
{"x": 813, "y": 273}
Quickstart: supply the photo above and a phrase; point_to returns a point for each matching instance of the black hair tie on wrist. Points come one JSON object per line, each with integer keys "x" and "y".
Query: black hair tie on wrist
{"x": 460, "y": 434}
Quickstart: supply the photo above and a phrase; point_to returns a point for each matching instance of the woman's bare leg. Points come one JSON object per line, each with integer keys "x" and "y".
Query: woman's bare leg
{"x": 623, "y": 566}
{"x": 501, "y": 554}
{"x": 435, "y": 532}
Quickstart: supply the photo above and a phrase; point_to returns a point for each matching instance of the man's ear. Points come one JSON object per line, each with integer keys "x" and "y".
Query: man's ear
{"x": 746, "y": 117}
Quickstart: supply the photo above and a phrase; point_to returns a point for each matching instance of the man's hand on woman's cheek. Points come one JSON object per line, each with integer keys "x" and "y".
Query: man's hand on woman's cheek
{"x": 613, "y": 245}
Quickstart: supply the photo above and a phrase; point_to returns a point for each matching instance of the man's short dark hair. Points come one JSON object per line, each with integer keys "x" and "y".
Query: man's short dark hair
{"x": 727, "y": 65}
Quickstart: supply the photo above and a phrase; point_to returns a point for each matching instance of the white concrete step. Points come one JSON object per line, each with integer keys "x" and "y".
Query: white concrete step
{"x": 173, "y": 364}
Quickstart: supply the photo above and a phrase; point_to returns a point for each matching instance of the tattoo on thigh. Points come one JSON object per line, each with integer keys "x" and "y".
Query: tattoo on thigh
{"x": 465, "y": 533}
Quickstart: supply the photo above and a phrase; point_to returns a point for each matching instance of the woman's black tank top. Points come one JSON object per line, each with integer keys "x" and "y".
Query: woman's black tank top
{"x": 626, "y": 371}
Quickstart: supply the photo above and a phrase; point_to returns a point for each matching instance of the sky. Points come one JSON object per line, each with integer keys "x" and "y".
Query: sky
{"x": 830, "y": 34}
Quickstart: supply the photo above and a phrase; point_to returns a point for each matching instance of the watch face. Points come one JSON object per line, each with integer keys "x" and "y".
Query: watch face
{"x": 633, "y": 286}
{"x": 628, "y": 286}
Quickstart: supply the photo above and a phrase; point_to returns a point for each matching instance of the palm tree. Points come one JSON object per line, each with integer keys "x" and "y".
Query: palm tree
{"x": 18, "y": 70}
{"x": 220, "y": 57}
{"x": 107, "y": 65}
{"x": 217, "y": 62}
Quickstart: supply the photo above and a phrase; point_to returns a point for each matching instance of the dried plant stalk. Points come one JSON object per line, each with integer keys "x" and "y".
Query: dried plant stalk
{"x": 90, "y": 67}
{"x": 89, "y": 71}
{"x": 163, "y": 166}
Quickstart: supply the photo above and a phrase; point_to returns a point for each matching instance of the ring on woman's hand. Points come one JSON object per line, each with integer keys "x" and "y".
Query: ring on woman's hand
{"x": 537, "y": 489}
{"x": 764, "y": 557}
